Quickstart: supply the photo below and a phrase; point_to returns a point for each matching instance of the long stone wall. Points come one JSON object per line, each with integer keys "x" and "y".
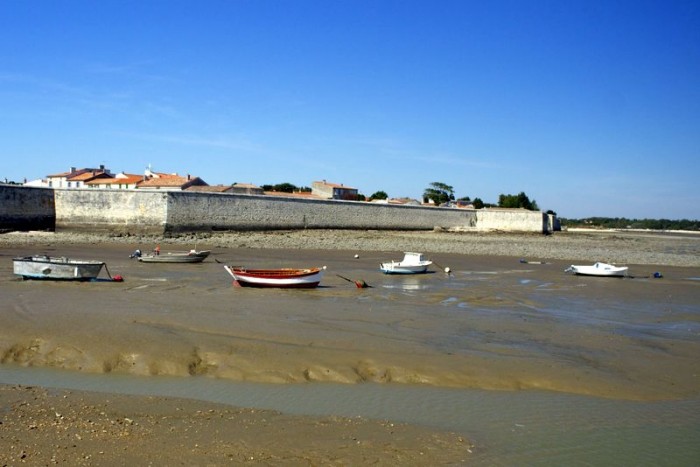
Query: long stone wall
{"x": 193, "y": 211}
{"x": 160, "y": 212}
{"x": 26, "y": 208}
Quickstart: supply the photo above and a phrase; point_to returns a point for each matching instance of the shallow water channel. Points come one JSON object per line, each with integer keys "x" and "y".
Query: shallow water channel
{"x": 507, "y": 428}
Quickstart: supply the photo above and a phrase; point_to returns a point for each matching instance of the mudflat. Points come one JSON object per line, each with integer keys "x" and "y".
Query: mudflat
{"x": 494, "y": 322}
{"x": 47, "y": 427}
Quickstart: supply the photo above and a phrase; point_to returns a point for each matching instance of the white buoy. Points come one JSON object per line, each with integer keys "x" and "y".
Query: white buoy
{"x": 357, "y": 256}
{"x": 447, "y": 270}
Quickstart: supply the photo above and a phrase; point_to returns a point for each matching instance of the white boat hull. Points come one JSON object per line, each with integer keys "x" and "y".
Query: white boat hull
{"x": 276, "y": 278}
{"x": 412, "y": 263}
{"x": 599, "y": 269}
{"x": 398, "y": 268}
{"x": 56, "y": 268}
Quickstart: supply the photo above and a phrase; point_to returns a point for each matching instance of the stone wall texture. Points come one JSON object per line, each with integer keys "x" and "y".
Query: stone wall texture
{"x": 249, "y": 212}
{"x": 117, "y": 211}
{"x": 26, "y": 208}
{"x": 512, "y": 220}
{"x": 158, "y": 212}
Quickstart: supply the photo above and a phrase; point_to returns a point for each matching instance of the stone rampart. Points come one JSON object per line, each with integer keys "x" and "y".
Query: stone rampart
{"x": 215, "y": 211}
{"x": 512, "y": 220}
{"x": 26, "y": 208}
{"x": 140, "y": 212}
{"x": 114, "y": 211}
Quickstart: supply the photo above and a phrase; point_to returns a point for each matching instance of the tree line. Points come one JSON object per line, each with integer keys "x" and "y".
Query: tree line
{"x": 439, "y": 193}
{"x": 624, "y": 223}
{"x": 286, "y": 188}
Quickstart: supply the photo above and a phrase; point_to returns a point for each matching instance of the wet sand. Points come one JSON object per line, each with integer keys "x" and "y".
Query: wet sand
{"x": 187, "y": 320}
{"x": 45, "y": 427}
{"x": 612, "y": 246}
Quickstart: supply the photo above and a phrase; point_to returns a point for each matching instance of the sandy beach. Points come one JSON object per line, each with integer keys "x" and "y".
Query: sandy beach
{"x": 406, "y": 335}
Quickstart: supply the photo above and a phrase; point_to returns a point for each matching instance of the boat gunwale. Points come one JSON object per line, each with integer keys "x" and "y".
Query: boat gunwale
{"x": 60, "y": 260}
{"x": 280, "y": 273}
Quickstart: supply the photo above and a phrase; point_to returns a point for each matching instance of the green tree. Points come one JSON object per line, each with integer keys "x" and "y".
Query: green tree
{"x": 379, "y": 195}
{"x": 520, "y": 200}
{"x": 478, "y": 204}
{"x": 439, "y": 192}
{"x": 283, "y": 187}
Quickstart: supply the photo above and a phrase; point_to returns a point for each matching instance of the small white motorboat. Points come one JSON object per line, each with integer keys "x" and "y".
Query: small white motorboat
{"x": 412, "y": 263}
{"x": 599, "y": 269}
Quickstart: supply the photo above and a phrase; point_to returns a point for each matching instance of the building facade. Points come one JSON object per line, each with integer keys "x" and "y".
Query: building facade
{"x": 324, "y": 189}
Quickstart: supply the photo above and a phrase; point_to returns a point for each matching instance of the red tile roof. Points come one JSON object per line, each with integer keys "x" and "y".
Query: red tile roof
{"x": 171, "y": 181}
{"x": 210, "y": 188}
{"x": 298, "y": 194}
{"x": 74, "y": 172}
{"x": 128, "y": 180}
{"x": 87, "y": 175}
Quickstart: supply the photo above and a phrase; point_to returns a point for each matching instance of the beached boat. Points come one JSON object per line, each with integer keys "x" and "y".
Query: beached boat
{"x": 56, "y": 268}
{"x": 412, "y": 263}
{"x": 599, "y": 269}
{"x": 191, "y": 256}
{"x": 286, "y": 278}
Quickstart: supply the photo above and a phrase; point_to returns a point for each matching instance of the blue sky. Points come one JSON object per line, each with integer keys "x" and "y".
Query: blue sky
{"x": 592, "y": 108}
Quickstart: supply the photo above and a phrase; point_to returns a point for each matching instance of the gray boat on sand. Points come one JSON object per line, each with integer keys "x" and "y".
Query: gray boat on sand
{"x": 56, "y": 268}
{"x": 192, "y": 256}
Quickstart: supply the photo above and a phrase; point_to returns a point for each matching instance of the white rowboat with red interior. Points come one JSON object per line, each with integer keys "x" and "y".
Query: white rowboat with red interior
{"x": 286, "y": 278}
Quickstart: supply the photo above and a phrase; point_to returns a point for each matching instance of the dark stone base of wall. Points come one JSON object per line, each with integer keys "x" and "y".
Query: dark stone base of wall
{"x": 25, "y": 224}
{"x": 26, "y": 208}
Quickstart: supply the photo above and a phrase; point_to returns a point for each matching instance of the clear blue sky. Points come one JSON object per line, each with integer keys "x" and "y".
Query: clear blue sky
{"x": 590, "y": 107}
